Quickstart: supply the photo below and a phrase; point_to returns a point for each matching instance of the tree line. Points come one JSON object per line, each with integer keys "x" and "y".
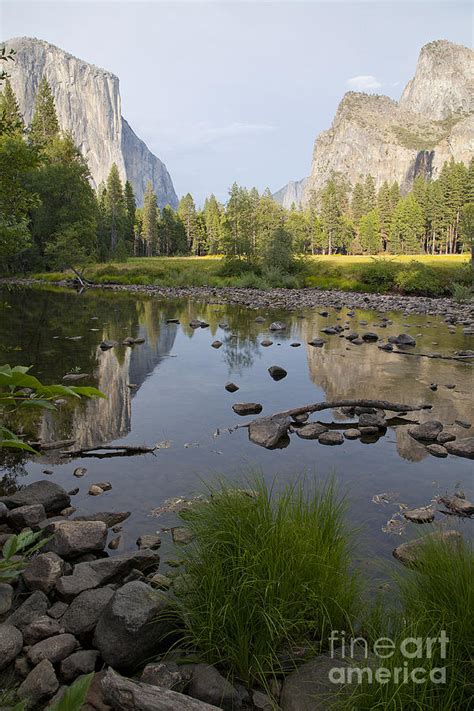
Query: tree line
{"x": 50, "y": 216}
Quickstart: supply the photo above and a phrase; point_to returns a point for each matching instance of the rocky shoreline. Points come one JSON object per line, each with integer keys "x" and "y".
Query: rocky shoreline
{"x": 288, "y": 299}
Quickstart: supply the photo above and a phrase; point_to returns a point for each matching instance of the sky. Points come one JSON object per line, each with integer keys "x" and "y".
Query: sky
{"x": 238, "y": 91}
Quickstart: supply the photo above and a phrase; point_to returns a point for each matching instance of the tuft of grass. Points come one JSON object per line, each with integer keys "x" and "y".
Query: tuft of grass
{"x": 266, "y": 572}
{"x": 438, "y": 595}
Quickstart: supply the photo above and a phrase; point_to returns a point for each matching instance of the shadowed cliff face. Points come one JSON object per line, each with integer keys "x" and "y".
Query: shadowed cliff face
{"x": 88, "y": 106}
{"x": 396, "y": 141}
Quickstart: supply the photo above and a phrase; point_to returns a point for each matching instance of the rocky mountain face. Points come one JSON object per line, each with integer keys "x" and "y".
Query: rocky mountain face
{"x": 396, "y": 141}
{"x": 291, "y": 194}
{"x": 88, "y": 106}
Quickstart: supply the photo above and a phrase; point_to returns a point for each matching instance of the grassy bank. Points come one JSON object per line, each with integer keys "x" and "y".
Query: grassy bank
{"x": 271, "y": 574}
{"x": 420, "y": 274}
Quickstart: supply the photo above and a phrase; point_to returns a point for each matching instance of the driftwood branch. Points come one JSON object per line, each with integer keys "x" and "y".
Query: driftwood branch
{"x": 436, "y": 356}
{"x": 103, "y": 451}
{"x": 332, "y": 404}
{"x": 45, "y": 446}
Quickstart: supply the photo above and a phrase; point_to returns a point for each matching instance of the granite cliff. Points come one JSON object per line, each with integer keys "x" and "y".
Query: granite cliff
{"x": 396, "y": 141}
{"x": 88, "y": 106}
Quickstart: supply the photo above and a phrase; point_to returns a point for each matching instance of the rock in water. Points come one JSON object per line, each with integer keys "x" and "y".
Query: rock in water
{"x": 268, "y": 431}
{"x": 231, "y": 387}
{"x": 462, "y": 447}
{"x": 311, "y": 431}
{"x": 411, "y": 553}
{"x": 437, "y": 450}
{"x": 427, "y": 431}
{"x": 424, "y": 514}
{"x": 331, "y": 437}
{"x": 87, "y": 101}
{"x": 52, "y": 496}
{"x": 277, "y": 372}
{"x": 277, "y": 326}
{"x": 247, "y": 408}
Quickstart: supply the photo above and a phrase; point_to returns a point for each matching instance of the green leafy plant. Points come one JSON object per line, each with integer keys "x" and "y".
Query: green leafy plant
{"x": 21, "y": 391}
{"x": 461, "y": 293}
{"x": 15, "y": 552}
{"x": 75, "y": 695}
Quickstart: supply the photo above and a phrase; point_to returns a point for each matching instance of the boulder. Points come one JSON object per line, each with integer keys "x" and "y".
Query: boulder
{"x": 403, "y": 339}
{"x": 181, "y": 535}
{"x": 106, "y": 345}
{"x": 128, "y": 695}
{"x": 110, "y": 518}
{"x": 208, "y": 685}
{"x": 309, "y": 688}
{"x": 128, "y": 630}
{"x": 26, "y": 516}
{"x": 73, "y": 538}
{"x": 41, "y": 628}
{"x": 437, "y": 450}
{"x": 3, "y": 512}
{"x": 427, "y": 431}
{"x": 369, "y": 337}
{"x": 55, "y": 649}
{"x": 410, "y": 554}
{"x": 40, "y": 684}
{"x": 277, "y": 372}
{"x": 375, "y": 419}
{"x": 52, "y": 496}
{"x": 11, "y": 643}
{"x": 268, "y": 431}
{"x": 247, "y": 408}
{"x": 83, "y": 613}
{"x": 311, "y": 431}
{"x": 317, "y": 342}
{"x": 57, "y": 610}
{"x": 331, "y": 437}
{"x": 424, "y": 514}
{"x": 150, "y": 541}
{"x": 43, "y": 571}
{"x": 352, "y": 433}
{"x": 34, "y": 606}
{"x": 6, "y": 598}
{"x": 82, "y": 662}
{"x": 166, "y": 675}
{"x": 266, "y": 343}
{"x": 90, "y": 575}
{"x": 457, "y": 505}
{"x": 462, "y": 447}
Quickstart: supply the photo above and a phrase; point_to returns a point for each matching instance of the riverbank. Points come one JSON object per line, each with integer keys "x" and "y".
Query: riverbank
{"x": 288, "y": 299}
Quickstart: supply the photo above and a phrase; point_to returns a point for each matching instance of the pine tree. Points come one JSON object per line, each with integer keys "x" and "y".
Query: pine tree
{"x": 213, "y": 220}
{"x": 357, "y": 202}
{"x": 384, "y": 205}
{"x": 150, "y": 221}
{"x": 130, "y": 208}
{"x": 407, "y": 227}
{"x": 11, "y": 120}
{"x": 44, "y": 125}
{"x": 333, "y": 205}
{"x": 369, "y": 194}
{"x": 370, "y": 232}
{"x": 115, "y": 210}
{"x": 187, "y": 213}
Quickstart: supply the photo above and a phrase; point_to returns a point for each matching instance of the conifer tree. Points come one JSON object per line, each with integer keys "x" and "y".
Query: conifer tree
{"x": 188, "y": 216}
{"x": 357, "y": 202}
{"x": 11, "y": 120}
{"x": 407, "y": 227}
{"x": 130, "y": 208}
{"x": 369, "y": 194}
{"x": 115, "y": 210}
{"x": 213, "y": 221}
{"x": 370, "y": 232}
{"x": 44, "y": 125}
{"x": 150, "y": 221}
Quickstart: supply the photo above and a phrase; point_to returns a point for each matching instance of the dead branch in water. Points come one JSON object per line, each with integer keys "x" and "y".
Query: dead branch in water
{"x": 104, "y": 451}
{"x": 332, "y": 404}
{"x": 437, "y": 356}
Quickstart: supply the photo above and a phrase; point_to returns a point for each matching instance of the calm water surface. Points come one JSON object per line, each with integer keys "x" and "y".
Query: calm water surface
{"x": 179, "y": 397}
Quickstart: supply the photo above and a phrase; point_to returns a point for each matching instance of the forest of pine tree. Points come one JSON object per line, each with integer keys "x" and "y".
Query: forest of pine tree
{"x": 50, "y": 216}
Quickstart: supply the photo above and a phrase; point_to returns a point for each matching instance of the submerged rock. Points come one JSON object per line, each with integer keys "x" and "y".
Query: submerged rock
{"x": 457, "y": 504}
{"x": 424, "y": 514}
{"x": 311, "y": 431}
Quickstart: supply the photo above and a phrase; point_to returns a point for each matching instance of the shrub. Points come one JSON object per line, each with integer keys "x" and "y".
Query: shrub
{"x": 236, "y": 266}
{"x": 265, "y": 572}
{"x": 417, "y": 278}
{"x": 250, "y": 280}
{"x": 461, "y": 293}
{"x": 378, "y": 275}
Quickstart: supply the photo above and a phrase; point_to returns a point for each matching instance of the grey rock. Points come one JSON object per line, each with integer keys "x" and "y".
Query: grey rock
{"x": 87, "y": 576}
{"x": 128, "y": 630}
{"x": 463, "y": 423}
{"x": 82, "y": 662}
{"x": 437, "y": 450}
{"x": 231, "y": 387}
{"x": 41, "y": 628}
{"x": 444, "y": 437}
{"x": 269, "y": 431}
{"x": 26, "y": 516}
{"x": 403, "y": 339}
{"x": 150, "y": 541}
{"x": 83, "y": 613}
{"x": 166, "y": 675}
{"x": 377, "y": 419}
{"x": 410, "y": 554}
{"x": 6, "y": 598}
{"x": 181, "y": 535}
{"x": 208, "y": 685}
{"x": 34, "y": 606}
{"x": 352, "y": 433}
{"x": 312, "y": 430}
{"x": 57, "y": 610}
{"x": 43, "y": 571}
{"x": 462, "y": 447}
{"x": 309, "y": 688}
{"x": 54, "y": 649}
{"x": 317, "y": 342}
{"x": 52, "y": 496}
{"x": 277, "y": 326}
{"x": 11, "y": 643}
{"x": 277, "y": 372}
{"x": 457, "y": 505}
{"x": 3, "y": 512}
{"x": 128, "y": 695}
{"x": 247, "y": 408}
{"x": 427, "y": 431}
{"x": 22, "y": 667}
{"x": 266, "y": 343}
{"x": 216, "y": 344}
{"x": 369, "y": 337}
{"x": 331, "y": 437}
{"x": 424, "y": 514}
{"x": 73, "y": 538}
{"x": 107, "y": 345}
{"x": 40, "y": 684}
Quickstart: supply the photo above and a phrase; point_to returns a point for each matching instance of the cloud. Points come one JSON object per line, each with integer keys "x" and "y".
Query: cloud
{"x": 364, "y": 82}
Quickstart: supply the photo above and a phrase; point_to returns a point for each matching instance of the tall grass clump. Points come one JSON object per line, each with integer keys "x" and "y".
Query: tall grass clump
{"x": 264, "y": 573}
{"x": 435, "y": 596}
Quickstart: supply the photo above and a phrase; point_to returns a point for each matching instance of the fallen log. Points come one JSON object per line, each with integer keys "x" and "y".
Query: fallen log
{"x": 45, "y": 446}
{"x": 437, "y": 356}
{"x": 332, "y": 404}
{"x": 102, "y": 451}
